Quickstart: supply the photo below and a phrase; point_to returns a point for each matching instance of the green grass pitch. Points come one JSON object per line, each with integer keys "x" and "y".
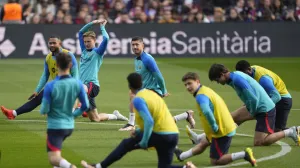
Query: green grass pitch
{"x": 23, "y": 141}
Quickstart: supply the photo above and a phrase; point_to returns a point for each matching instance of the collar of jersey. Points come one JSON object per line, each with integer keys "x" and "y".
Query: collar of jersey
{"x": 140, "y": 57}
{"x": 230, "y": 78}
{"x": 60, "y": 50}
{"x": 89, "y": 50}
{"x": 63, "y": 77}
{"x": 195, "y": 94}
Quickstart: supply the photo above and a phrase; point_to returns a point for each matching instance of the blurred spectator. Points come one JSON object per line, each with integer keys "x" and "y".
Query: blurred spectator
{"x": 201, "y": 18}
{"x": 290, "y": 15}
{"x": 218, "y": 15}
{"x": 35, "y": 19}
{"x": 123, "y": 18}
{"x": 167, "y": 18}
{"x": 234, "y": 16}
{"x": 264, "y": 12}
{"x": 47, "y": 5}
{"x": 277, "y": 9}
{"x": 12, "y": 13}
{"x": 68, "y": 19}
{"x": 59, "y": 17}
{"x": 49, "y": 19}
{"x": 297, "y": 10}
{"x": 250, "y": 11}
{"x": 80, "y": 18}
{"x": 117, "y": 9}
{"x": 88, "y": 19}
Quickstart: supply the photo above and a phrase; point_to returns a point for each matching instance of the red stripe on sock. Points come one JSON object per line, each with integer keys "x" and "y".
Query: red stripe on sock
{"x": 90, "y": 88}
{"x": 51, "y": 147}
{"x": 218, "y": 148}
{"x": 267, "y": 124}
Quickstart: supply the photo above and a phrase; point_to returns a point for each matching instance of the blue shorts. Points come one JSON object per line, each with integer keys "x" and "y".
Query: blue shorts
{"x": 219, "y": 147}
{"x": 55, "y": 138}
{"x": 265, "y": 122}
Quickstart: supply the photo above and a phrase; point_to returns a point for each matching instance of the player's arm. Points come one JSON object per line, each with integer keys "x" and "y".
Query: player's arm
{"x": 102, "y": 47}
{"x": 152, "y": 66}
{"x": 84, "y": 29}
{"x": 74, "y": 70}
{"x": 243, "y": 85}
{"x": 141, "y": 106}
{"x": 267, "y": 83}
{"x": 83, "y": 100}
{"x": 44, "y": 78}
{"x": 46, "y": 101}
{"x": 203, "y": 102}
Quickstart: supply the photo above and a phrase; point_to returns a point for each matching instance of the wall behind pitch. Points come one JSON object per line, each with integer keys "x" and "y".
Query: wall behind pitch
{"x": 161, "y": 40}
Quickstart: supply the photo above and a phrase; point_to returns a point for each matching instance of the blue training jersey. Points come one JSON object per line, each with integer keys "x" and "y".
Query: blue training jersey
{"x": 58, "y": 101}
{"x": 152, "y": 78}
{"x": 91, "y": 60}
{"x": 251, "y": 93}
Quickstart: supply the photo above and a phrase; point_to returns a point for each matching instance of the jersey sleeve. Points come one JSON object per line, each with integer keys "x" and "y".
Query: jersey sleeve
{"x": 267, "y": 83}
{"x": 102, "y": 47}
{"x": 83, "y": 100}
{"x": 44, "y": 78}
{"x": 152, "y": 66}
{"x": 245, "y": 88}
{"x": 203, "y": 102}
{"x": 84, "y": 29}
{"x": 46, "y": 101}
{"x": 141, "y": 107}
{"x": 74, "y": 69}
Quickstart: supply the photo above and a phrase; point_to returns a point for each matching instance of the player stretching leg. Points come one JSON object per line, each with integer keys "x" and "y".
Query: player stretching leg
{"x": 156, "y": 128}
{"x": 217, "y": 123}
{"x": 258, "y": 105}
{"x": 50, "y": 70}
{"x": 146, "y": 66}
{"x": 275, "y": 88}
{"x": 90, "y": 62}
{"x": 60, "y": 120}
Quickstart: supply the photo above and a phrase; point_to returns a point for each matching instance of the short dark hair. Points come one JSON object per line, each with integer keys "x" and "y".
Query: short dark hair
{"x": 190, "y": 75}
{"x": 63, "y": 60}
{"x": 242, "y": 65}
{"x": 137, "y": 38}
{"x": 216, "y": 70}
{"x": 135, "y": 81}
{"x": 54, "y": 36}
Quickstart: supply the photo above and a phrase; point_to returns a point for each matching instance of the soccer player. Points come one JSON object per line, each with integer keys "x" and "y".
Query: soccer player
{"x": 156, "y": 127}
{"x": 90, "y": 62}
{"x": 146, "y": 66}
{"x": 217, "y": 123}
{"x": 58, "y": 100}
{"x": 50, "y": 70}
{"x": 258, "y": 105}
{"x": 275, "y": 88}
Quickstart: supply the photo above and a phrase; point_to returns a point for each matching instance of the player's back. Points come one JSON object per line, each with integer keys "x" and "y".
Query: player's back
{"x": 263, "y": 104}
{"x": 141, "y": 64}
{"x": 220, "y": 111}
{"x": 64, "y": 92}
{"x": 90, "y": 62}
{"x": 163, "y": 120}
{"x": 278, "y": 82}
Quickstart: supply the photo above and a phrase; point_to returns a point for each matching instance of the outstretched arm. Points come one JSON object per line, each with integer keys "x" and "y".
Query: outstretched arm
{"x": 102, "y": 47}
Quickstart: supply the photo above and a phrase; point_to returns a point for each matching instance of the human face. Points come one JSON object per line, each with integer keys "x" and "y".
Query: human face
{"x": 89, "y": 42}
{"x": 222, "y": 79}
{"x": 137, "y": 47}
{"x": 54, "y": 44}
{"x": 191, "y": 85}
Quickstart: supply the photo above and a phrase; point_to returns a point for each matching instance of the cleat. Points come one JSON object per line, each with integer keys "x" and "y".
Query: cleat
{"x": 190, "y": 118}
{"x": 178, "y": 152}
{"x": 250, "y": 157}
{"x": 127, "y": 127}
{"x": 296, "y": 134}
{"x": 8, "y": 113}
{"x": 190, "y": 134}
{"x": 84, "y": 114}
{"x": 120, "y": 116}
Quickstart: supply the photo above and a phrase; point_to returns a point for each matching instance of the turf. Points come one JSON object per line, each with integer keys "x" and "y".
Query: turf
{"x": 23, "y": 141}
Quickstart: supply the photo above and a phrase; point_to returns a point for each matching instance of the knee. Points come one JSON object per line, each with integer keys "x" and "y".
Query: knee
{"x": 54, "y": 160}
{"x": 258, "y": 143}
{"x": 214, "y": 162}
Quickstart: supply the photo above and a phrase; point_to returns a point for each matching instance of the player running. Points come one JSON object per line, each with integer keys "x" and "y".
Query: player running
{"x": 275, "y": 88}
{"x": 258, "y": 105}
{"x": 217, "y": 123}
{"x": 156, "y": 128}
{"x": 50, "y": 70}
{"x": 58, "y": 100}
{"x": 146, "y": 66}
{"x": 90, "y": 62}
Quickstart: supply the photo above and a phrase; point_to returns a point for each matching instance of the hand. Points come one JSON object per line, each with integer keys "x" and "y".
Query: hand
{"x": 143, "y": 145}
{"x": 103, "y": 22}
{"x": 96, "y": 21}
{"x": 132, "y": 133}
{"x": 33, "y": 96}
{"x": 190, "y": 165}
{"x": 166, "y": 94}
